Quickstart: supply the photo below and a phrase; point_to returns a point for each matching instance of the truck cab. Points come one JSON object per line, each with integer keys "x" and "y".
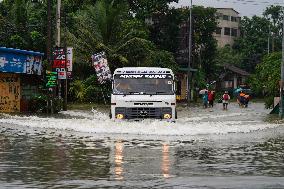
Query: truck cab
{"x": 143, "y": 93}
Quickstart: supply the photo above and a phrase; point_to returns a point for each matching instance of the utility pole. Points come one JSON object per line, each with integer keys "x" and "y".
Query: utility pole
{"x": 189, "y": 56}
{"x": 281, "y": 104}
{"x": 268, "y": 41}
{"x": 48, "y": 43}
{"x": 58, "y": 44}
{"x": 58, "y": 22}
{"x": 48, "y": 54}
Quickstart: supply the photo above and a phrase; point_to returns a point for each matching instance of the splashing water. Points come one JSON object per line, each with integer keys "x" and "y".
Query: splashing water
{"x": 195, "y": 121}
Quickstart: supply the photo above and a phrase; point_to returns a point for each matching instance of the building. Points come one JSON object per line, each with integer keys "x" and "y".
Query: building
{"x": 20, "y": 78}
{"x": 231, "y": 78}
{"x": 228, "y": 26}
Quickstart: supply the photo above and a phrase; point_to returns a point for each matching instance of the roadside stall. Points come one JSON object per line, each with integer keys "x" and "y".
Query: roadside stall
{"x": 20, "y": 78}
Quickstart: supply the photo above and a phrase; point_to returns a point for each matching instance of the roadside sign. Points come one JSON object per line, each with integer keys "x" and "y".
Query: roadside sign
{"x": 69, "y": 62}
{"x": 59, "y": 62}
{"x": 51, "y": 79}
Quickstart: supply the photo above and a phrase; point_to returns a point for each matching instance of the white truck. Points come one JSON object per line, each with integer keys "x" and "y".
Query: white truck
{"x": 143, "y": 93}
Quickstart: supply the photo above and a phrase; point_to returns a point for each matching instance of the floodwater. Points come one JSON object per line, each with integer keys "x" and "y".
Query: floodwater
{"x": 205, "y": 148}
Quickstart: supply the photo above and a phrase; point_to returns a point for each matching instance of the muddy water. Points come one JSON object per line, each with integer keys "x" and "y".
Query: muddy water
{"x": 203, "y": 149}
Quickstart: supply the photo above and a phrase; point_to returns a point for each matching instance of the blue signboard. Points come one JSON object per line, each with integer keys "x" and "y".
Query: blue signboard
{"x": 20, "y": 61}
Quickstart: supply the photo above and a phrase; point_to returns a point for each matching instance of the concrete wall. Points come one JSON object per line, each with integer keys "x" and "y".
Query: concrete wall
{"x": 233, "y": 25}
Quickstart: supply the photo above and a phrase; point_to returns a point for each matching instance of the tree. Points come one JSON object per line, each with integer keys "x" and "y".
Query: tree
{"x": 267, "y": 76}
{"x": 147, "y": 8}
{"x": 107, "y": 26}
{"x": 274, "y": 15}
{"x": 205, "y": 46}
{"x": 227, "y": 55}
{"x": 253, "y": 42}
{"x": 165, "y": 29}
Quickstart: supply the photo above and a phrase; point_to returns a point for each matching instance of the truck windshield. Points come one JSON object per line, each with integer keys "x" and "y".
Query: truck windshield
{"x": 143, "y": 86}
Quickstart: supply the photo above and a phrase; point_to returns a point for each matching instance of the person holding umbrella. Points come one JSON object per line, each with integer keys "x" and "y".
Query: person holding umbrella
{"x": 205, "y": 99}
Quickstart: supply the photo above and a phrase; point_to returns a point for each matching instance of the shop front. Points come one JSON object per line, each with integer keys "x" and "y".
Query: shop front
{"x": 20, "y": 78}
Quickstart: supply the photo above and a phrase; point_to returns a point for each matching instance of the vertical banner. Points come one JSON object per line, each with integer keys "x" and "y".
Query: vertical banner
{"x": 59, "y": 62}
{"x": 69, "y": 65}
{"x": 99, "y": 62}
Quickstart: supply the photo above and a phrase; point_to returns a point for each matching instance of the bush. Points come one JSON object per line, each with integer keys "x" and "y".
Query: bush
{"x": 267, "y": 76}
{"x": 38, "y": 104}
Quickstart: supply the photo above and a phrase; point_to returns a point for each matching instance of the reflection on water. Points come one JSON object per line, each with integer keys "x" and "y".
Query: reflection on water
{"x": 166, "y": 161}
{"x": 118, "y": 160}
{"x": 52, "y": 161}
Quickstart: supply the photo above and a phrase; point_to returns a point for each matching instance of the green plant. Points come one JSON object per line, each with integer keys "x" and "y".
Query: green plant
{"x": 57, "y": 104}
{"x": 38, "y": 104}
{"x": 77, "y": 90}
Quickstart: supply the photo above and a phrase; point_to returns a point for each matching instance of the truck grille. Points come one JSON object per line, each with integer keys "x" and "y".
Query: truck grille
{"x": 132, "y": 113}
{"x": 143, "y": 112}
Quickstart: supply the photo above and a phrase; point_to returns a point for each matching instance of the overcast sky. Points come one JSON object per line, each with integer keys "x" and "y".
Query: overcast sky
{"x": 244, "y": 7}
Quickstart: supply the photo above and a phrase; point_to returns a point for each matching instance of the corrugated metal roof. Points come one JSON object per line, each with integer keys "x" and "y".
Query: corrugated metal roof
{"x": 19, "y": 51}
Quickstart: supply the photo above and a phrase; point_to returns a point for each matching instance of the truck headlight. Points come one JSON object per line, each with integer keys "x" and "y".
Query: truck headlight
{"x": 167, "y": 116}
{"x": 119, "y": 116}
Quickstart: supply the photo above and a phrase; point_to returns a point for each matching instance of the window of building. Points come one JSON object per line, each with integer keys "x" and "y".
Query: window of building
{"x": 219, "y": 16}
{"x": 234, "y": 32}
{"x": 227, "y": 31}
{"x": 233, "y": 19}
{"x": 225, "y": 17}
{"x": 219, "y": 31}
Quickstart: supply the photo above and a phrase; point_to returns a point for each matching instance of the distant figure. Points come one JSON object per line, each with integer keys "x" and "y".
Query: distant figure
{"x": 242, "y": 99}
{"x": 211, "y": 98}
{"x": 205, "y": 99}
{"x": 247, "y": 98}
{"x": 226, "y": 97}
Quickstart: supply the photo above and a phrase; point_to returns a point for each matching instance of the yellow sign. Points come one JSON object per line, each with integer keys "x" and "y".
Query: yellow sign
{"x": 9, "y": 93}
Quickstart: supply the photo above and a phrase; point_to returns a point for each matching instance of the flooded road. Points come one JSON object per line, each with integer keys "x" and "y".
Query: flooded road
{"x": 204, "y": 149}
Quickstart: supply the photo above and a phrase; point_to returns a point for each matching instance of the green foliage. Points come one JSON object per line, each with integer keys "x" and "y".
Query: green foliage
{"x": 163, "y": 59}
{"x": 165, "y": 31}
{"x": 253, "y": 43}
{"x": 267, "y": 76}
{"x": 77, "y": 91}
{"x": 147, "y": 8}
{"x": 136, "y": 51}
{"x": 17, "y": 41}
{"x": 38, "y": 104}
{"x": 255, "y": 34}
{"x": 89, "y": 90}
{"x": 227, "y": 55}
{"x": 200, "y": 79}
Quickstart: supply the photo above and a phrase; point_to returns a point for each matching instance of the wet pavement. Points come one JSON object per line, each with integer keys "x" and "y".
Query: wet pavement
{"x": 205, "y": 148}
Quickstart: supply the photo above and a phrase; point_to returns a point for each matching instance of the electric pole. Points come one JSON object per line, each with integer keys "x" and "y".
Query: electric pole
{"x": 58, "y": 22}
{"x": 58, "y": 44}
{"x": 268, "y": 41}
{"x": 189, "y": 56}
{"x": 48, "y": 43}
{"x": 281, "y": 104}
{"x": 48, "y": 54}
